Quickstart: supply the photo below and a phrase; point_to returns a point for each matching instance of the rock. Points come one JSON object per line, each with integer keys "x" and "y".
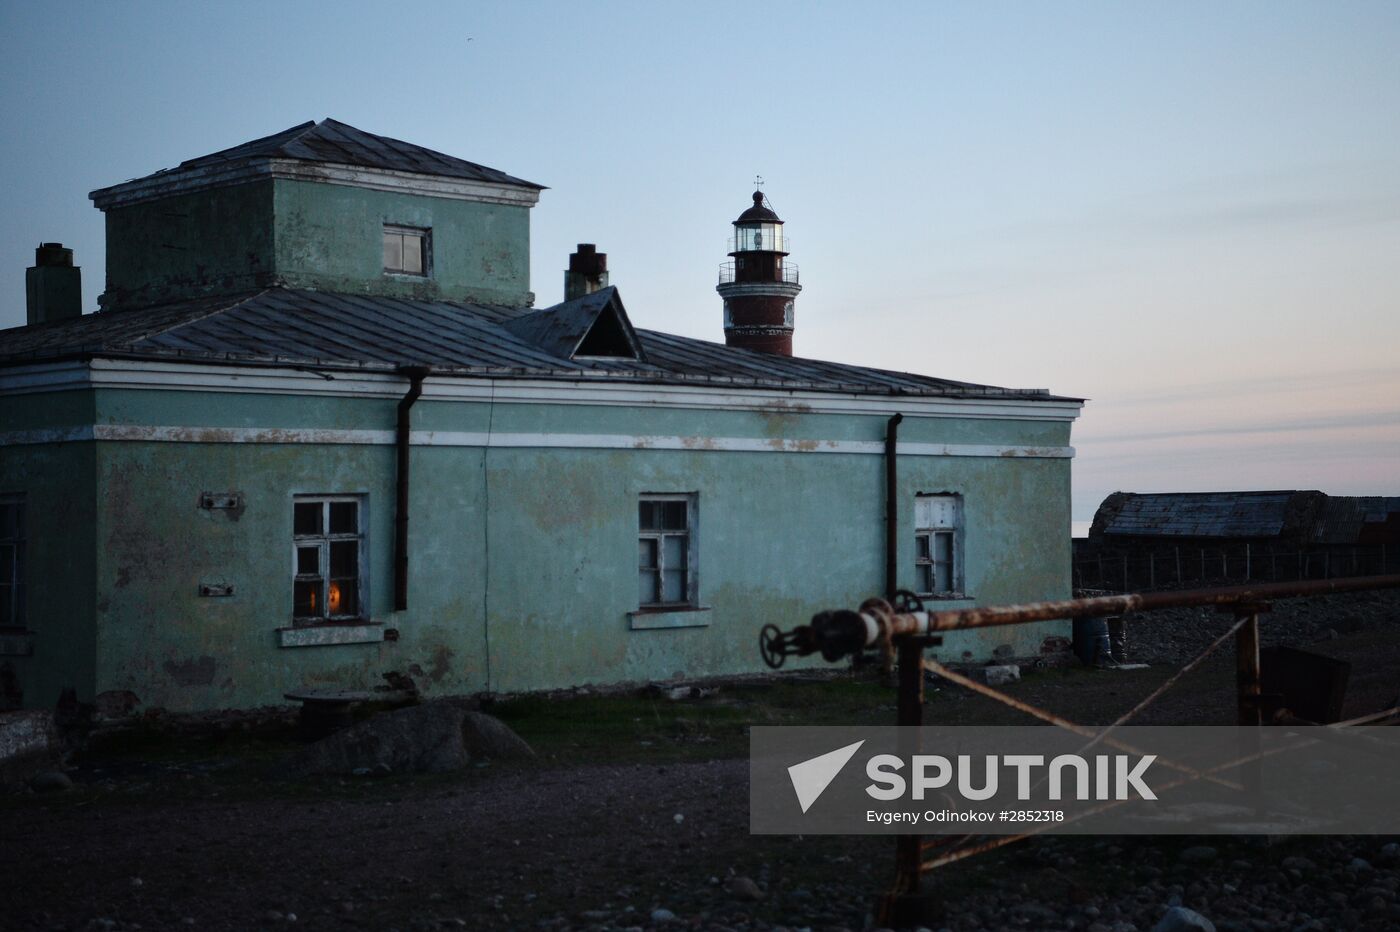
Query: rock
{"x": 50, "y": 781}
{"x": 1390, "y": 851}
{"x": 1299, "y": 864}
{"x": 1001, "y": 674}
{"x": 29, "y": 741}
{"x": 1181, "y": 919}
{"x": 662, "y": 915}
{"x": 1359, "y": 865}
{"x": 115, "y": 704}
{"x": 485, "y": 736}
{"x": 435, "y": 737}
{"x": 743, "y": 888}
{"x": 1199, "y": 854}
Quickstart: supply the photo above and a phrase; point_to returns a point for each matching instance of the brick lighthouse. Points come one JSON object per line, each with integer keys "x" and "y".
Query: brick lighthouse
{"x": 759, "y": 286}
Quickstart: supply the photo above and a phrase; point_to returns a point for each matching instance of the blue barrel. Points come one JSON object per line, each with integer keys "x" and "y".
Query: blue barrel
{"x": 1091, "y": 640}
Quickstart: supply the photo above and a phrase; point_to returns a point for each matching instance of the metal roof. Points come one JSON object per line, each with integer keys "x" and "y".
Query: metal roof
{"x": 333, "y": 142}
{"x": 1200, "y": 514}
{"x": 561, "y": 330}
{"x": 285, "y": 326}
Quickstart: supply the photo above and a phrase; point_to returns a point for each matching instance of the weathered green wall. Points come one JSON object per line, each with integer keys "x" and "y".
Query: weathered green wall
{"x": 523, "y": 560}
{"x": 328, "y": 237}
{"x": 311, "y": 235}
{"x": 531, "y": 551}
{"x": 209, "y": 242}
{"x": 58, "y": 482}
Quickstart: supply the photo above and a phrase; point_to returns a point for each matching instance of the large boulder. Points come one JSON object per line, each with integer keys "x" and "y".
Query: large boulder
{"x": 435, "y": 737}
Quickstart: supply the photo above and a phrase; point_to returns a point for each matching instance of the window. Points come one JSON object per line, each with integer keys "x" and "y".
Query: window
{"x": 938, "y": 545}
{"x": 12, "y": 613}
{"x": 328, "y": 555}
{"x": 406, "y": 250}
{"x": 666, "y": 545}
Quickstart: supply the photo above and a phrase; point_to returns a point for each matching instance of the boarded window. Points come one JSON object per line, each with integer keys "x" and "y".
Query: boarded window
{"x": 937, "y": 545}
{"x": 666, "y": 551}
{"x": 12, "y": 546}
{"x": 328, "y": 555}
{"x": 406, "y": 250}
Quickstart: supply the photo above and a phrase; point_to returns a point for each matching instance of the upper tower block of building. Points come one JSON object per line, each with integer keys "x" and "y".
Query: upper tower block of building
{"x": 323, "y": 206}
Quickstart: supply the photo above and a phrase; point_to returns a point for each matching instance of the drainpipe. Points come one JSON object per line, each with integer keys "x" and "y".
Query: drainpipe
{"x": 891, "y": 508}
{"x": 415, "y": 374}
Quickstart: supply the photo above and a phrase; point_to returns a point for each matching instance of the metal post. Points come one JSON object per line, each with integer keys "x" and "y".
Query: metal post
{"x": 906, "y": 905}
{"x": 911, "y": 715}
{"x": 1248, "y": 564}
{"x": 1247, "y": 677}
{"x": 1125, "y": 573}
{"x": 1152, "y": 570}
{"x": 1177, "y": 551}
{"x": 1249, "y": 685}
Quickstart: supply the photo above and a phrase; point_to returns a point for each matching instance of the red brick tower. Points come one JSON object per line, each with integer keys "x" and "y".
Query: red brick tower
{"x": 759, "y": 286}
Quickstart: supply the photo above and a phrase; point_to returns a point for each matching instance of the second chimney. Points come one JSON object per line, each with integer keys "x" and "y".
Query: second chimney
{"x": 587, "y": 272}
{"x": 54, "y": 286}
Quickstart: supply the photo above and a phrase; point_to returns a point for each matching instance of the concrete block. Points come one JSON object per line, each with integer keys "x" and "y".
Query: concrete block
{"x": 1002, "y": 674}
{"x": 28, "y": 739}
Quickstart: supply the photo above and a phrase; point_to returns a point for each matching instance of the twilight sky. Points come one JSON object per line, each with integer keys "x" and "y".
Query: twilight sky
{"x": 1188, "y": 213}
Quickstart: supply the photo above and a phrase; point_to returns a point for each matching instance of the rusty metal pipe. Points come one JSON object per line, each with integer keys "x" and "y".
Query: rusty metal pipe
{"x": 1149, "y": 601}
{"x": 837, "y": 634}
{"x": 416, "y": 375}
{"x": 892, "y": 505}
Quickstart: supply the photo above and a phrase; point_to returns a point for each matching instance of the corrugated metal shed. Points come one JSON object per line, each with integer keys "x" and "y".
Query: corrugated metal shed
{"x": 333, "y": 142}
{"x": 1344, "y": 518}
{"x": 1200, "y": 514}
{"x": 283, "y": 326}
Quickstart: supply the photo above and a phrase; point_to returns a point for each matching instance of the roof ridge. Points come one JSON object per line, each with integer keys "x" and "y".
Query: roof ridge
{"x": 170, "y": 327}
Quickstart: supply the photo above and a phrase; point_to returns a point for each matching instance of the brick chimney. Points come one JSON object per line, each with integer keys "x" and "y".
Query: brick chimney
{"x": 587, "y": 272}
{"x": 53, "y": 286}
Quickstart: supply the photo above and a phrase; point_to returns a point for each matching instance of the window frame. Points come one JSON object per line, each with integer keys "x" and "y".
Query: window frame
{"x": 691, "y": 598}
{"x": 15, "y": 591}
{"x": 323, "y": 541}
{"x": 928, "y": 556}
{"x": 424, "y": 236}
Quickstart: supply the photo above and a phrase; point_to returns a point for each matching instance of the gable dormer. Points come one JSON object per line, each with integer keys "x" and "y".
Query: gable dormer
{"x": 594, "y": 326}
{"x": 324, "y": 206}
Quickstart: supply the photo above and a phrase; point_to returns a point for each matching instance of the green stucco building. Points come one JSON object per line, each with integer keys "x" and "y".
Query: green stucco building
{"x": 318, "y": 432}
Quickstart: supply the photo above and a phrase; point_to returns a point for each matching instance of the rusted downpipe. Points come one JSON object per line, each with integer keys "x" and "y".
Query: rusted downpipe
{"x": 891, "y": 507}
{"x": 416, "y": 375}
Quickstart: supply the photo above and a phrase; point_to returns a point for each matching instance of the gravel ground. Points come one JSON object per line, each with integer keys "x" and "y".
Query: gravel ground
{"x": 641, "y": 846}
{"x": 1174, "y": 636}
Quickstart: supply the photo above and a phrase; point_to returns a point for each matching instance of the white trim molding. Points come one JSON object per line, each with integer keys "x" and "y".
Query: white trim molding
{"x": 206, "y": 177}
{"x": 589, "y": 391}
{"x": 143, "y": 433}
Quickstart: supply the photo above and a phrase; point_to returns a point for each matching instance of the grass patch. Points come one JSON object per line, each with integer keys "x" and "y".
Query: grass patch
{"x": 647, "y": 729}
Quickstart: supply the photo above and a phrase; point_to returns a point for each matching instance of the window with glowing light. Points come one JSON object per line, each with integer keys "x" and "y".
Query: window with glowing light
{"x": 328, "y": 553}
